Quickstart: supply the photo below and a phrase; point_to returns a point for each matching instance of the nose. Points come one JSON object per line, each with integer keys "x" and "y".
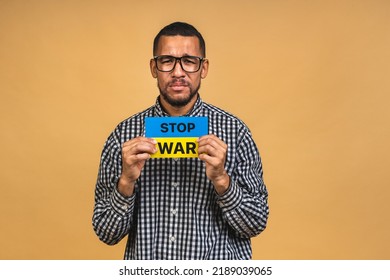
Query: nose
{"x": 178, "y": 69}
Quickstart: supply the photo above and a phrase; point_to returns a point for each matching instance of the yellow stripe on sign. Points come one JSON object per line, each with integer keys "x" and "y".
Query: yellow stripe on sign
{"x": 182, "y": 147}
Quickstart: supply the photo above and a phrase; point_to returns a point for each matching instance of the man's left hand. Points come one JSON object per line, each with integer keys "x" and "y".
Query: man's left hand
{"x": 212, "y": 151}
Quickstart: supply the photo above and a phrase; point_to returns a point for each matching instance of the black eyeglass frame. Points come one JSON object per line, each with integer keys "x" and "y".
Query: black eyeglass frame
{"x": 201, "y": 59}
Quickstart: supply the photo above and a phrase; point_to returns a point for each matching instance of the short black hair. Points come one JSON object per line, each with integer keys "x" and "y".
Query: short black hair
{"x": 180, "y": 29}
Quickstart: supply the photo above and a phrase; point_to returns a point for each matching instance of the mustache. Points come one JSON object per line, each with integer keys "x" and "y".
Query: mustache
{"x": 180, "y": 81}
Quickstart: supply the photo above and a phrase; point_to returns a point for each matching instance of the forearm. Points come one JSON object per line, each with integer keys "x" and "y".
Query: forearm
{"x": 246, "y": 213}
{"x": 112, "y": 217}
{"x": 245, "y": 204}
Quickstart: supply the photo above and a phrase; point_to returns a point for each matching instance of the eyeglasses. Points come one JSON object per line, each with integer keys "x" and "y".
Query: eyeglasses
{"x": 190, "y": 64}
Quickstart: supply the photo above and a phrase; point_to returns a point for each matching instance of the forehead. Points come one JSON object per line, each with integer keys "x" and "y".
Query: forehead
{"x": 178, "y": 46}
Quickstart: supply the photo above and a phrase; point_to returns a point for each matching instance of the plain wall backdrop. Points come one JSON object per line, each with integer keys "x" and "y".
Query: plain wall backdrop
{"x": 310, "y": 78}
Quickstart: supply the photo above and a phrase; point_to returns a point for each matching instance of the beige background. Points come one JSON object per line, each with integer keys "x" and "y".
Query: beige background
{"x": 310, "y": 78}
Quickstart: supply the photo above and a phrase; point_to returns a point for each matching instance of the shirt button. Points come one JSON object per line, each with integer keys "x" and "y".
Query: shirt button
{"x": 176, "y": 159}
{"x": 174, "y": 211}
{"x": 175, "y": 184}
{"x": 172, "y": 238}
{"x": 124, "y": 207}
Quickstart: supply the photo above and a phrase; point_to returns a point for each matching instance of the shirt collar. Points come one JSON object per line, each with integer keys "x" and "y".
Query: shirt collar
{"x": 195, "y": 111}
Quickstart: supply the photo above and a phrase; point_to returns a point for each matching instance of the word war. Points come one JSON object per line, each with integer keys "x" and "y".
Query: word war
{"x": 176, "y": 136}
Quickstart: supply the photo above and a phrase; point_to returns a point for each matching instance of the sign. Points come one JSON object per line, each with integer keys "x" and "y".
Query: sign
{"x": 176, "y": 136}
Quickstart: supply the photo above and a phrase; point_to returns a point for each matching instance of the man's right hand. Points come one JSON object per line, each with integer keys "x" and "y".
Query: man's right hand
{"x": 135, "y": 153}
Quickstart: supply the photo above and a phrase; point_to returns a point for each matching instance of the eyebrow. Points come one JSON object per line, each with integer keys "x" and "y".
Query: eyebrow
{"x": 185, "y": 54}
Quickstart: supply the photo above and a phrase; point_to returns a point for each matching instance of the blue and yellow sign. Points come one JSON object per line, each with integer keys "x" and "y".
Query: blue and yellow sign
{"x": 176, "y": 136}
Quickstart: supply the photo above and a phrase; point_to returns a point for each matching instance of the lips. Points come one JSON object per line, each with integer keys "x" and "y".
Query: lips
{"x": 178, "y": 88}
{"x": 178, "y": 85}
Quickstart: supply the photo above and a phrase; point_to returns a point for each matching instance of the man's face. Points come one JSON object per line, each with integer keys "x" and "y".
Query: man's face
{"x": 178, "y": 88}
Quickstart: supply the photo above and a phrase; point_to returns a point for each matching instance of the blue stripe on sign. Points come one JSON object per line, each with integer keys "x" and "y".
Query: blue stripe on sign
{"x": 176, "y": 126}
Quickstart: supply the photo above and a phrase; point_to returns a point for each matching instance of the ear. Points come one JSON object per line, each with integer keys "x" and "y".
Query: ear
{"x": 153, "y": 68}
{"x": 205, "y": 69}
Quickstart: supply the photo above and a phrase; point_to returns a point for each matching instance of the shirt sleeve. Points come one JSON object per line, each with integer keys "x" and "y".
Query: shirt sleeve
{"x": 245, "y": 204}
{"x": 113, "y": 213}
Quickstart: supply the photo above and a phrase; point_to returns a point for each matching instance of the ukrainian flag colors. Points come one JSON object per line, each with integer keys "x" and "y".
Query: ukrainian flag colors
{"x": 176, "y": 136}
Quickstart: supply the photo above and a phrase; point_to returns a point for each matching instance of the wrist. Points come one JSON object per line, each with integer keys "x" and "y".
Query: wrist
{"x": 125, "y": 186}
{"x": 222, "y": 184}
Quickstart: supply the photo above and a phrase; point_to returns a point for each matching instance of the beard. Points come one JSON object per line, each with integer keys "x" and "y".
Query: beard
{"x": 182, "y": 101}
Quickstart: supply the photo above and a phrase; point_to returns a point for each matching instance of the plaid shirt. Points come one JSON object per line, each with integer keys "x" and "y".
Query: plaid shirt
{"x": 175, "y": 212}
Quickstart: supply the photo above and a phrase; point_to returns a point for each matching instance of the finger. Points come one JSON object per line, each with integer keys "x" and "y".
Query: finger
{"x": 139, "y": 146}
{"x": 139, "y": 139}
{"x": 215, "y": 158}
{"x": 208, "y": 149}
{"x": 211, "y": 140}
{"x": 207, "y": 158}
{"x": 212, "y": 146}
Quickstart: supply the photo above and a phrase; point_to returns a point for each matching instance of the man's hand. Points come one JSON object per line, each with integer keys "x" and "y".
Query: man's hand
{"x": 135, "y": 153}
{"x": 212, "y": 151}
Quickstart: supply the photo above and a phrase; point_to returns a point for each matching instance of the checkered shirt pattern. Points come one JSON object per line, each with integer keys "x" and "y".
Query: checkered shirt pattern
{"x": 175, "y": 212}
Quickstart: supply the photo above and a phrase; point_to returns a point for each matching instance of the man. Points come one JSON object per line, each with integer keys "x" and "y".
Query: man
{"x": 206, "y": 207}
